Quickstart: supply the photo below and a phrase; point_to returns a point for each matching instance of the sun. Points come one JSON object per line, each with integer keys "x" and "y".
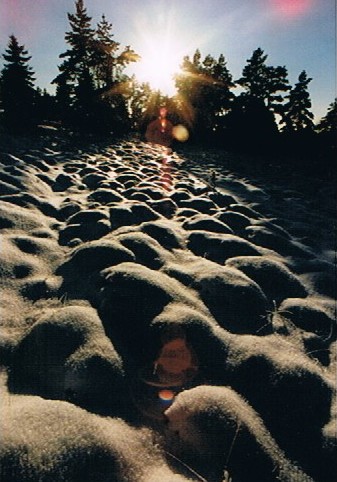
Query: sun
{"x": 160, "y": 61}
{"x": 162, "y": 42}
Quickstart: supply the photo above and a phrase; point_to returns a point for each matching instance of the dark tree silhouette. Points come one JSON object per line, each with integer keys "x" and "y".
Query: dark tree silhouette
{"x": 45, "y": 106}
{"x": 17, "y": 88}
{"x": 113, "y": 86}
{"x": 75, "y": 83}
{"x": 329, "y": 122}
{"x": 327, "y": 140}
{"x": 251, "y": 125}
{"x": 109, "y": 61}
{"x": 144, "y": 103}
{"x": 297, "y": 115}
{"x": 106, "y": 49}
{"x": 64, "y": 99}
{"x": 204, "y": 92}
{"x": 299, "y": 139}
{"x": 254, "y": 75}
{"x": 264, "y": 82}
{"x": 78, "y": 58}
{"x": 90, "y": 91}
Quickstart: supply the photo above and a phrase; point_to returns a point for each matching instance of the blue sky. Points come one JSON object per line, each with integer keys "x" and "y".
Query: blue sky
{"x": 299, "y": 34}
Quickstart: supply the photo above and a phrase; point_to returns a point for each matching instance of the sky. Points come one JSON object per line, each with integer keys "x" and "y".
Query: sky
{"x": 298, "y": 34}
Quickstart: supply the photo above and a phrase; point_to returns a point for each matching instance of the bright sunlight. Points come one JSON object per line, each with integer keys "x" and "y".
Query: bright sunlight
{"x": 158, "y": 65}
{"x": 161, "y": 46}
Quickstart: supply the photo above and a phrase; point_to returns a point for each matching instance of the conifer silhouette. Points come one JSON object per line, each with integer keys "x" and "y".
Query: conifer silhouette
{"x": 17, "y": 88}
{"x": 297, "y": 115}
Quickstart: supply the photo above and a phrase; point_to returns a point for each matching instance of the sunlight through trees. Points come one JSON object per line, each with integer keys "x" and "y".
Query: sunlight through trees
{"x": 95, "y": 95}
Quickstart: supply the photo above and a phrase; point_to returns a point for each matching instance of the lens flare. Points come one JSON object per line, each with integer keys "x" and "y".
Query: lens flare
{"x": 180, "y": 133}
{"x": 292, "y": 8}
{"x": 166, "y": 395}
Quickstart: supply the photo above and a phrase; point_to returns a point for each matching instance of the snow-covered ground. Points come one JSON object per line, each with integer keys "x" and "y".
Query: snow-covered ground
{"x": 104, "y": 253}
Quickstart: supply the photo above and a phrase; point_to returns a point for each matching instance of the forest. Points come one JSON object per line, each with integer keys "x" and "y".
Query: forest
{"x": 95, "y": 96}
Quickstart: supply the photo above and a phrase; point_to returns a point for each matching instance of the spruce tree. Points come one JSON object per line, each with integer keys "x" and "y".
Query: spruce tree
{"x": 75, "y": 91}
{"x": 78, "y": 59}
{"x": 297, "y": 115}
{"x": 105, "y": 52}
{"x": 17, "y": 88}
{"x": 109, "y": 61}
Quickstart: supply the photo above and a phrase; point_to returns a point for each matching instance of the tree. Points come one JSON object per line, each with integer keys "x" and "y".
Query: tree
{"x": 89, "y": 92}
{"x": 17, "y": 88}
{"x": 142, "y": 103}
{"x": 327, "y": 140}
{"x": 78, "y": 58}
{"x": 113, "y": 86}
{"x": 105, "y": 48}
{"x": 297, "y": 115}
{"x": 204, "y": 92}
{"x": 109, "y": 61}
{"x": 251, "y": 125}
{"x": 45, "y": 105}
{"x": 254, "y": 75}
{"x": 329, "y": 122}
{"x": 264, "y": 82}
{"x": 64, "y": 100}
{"x": 76, "y": 68}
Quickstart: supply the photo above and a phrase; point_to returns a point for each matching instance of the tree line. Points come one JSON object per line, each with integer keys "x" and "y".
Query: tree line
{"x": 95, "y": 95}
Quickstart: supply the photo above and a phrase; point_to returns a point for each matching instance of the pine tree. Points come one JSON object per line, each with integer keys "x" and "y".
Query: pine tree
{"x": 329, "y": 122}
{"x": 254, "y": 75}
{"x": 297, "y": 115}
{"x": 264, "y": 82}
{"x": 17, "y": 88}
{"x": 204, "y": 90}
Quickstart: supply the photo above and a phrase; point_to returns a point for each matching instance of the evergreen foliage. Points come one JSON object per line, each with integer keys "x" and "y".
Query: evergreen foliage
{"x": 251, "y": 125}
{"x": 264, "y": 82}
{"x": 75, "y": 69}
{"x": 45, "y": 106}
{"x": 94, "y": 95}
{"x": 17, "y": 89}
{"x": 297, "y": 115}
{"x": 329, "y": 122}
{"x": 327, "y": 134}
{"x": 106, "y": 49}
{"x": 90, "y": 92}
{"x": 204, "y": 92}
